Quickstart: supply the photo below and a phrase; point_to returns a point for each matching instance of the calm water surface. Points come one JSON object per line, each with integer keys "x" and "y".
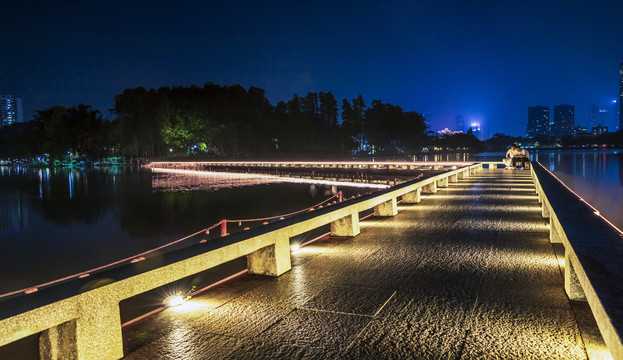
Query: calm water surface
{"x": 596, "y": 175}
{"x": 57, "y": 222}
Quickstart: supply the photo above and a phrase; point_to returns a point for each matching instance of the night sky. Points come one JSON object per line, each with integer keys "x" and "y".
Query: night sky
{"x": 486, "y": 60}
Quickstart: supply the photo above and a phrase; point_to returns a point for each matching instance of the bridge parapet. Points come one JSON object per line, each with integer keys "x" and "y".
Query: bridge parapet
{"x": 593, "y": 254}
{"x": 85, "y": 324}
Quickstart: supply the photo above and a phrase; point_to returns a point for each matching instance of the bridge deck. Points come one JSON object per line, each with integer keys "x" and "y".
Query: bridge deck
{"x": 467, "y": 273}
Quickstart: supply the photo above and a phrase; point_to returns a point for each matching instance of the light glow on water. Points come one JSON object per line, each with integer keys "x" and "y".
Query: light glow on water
{"x": 595, "y": 175}
{"x": 218, "y": 180}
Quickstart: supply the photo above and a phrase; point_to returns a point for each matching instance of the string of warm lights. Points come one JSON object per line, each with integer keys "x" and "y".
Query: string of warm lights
{"x": 595, "y": 211}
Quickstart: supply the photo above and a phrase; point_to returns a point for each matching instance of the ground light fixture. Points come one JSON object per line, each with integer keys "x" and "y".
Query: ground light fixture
{"x": 295, "y": 247}
{"x": 173, "y": 300}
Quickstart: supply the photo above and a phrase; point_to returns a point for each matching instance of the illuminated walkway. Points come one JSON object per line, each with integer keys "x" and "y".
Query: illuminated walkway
{"x": 467, "y": 273}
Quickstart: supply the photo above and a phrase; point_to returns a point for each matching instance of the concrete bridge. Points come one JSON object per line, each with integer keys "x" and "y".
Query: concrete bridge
{"x": 475, "y": 270}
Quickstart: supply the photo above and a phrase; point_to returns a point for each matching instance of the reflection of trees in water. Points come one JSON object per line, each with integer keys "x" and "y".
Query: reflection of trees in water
{"x": 66, "y": 196}
{"x": 175, "y": 214}
{"x": 14, "y": 215}
{"x": 69, "y": 196}
{"x": 86, "y": 196}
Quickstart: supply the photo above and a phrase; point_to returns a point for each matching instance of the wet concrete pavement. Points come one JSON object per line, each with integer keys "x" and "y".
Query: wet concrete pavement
{"x": 467, "y": 273}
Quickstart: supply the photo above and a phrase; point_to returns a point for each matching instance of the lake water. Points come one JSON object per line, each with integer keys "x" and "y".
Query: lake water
{"x": 596, "y": 175}
{"x": 58, "y": 222}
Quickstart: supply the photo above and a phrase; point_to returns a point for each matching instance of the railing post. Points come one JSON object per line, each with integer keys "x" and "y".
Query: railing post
{"x": 544, "y": 210}
{"x": 388, "y": 208}
{"x": 272, "y": 260}
{"x": 96, "y": 334}
{"x": 555, "y": 236}
{"x": 573, "y": 288}
{"x": 430, "y": 188}
{"x": 412, "y": 197}
{"x": 346, "y": 226}
{"x": 223, "y": 228}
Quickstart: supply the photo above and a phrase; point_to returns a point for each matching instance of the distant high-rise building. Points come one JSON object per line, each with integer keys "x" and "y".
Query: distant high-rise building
{"x": 538, "y": 121}
{"x": 599, "y": 129}
{"x": 621, "y": 97}
{"x": 460, "y": 123}
{"x": 597, "y": 115}
{"x": 475, "y": 128}
{"x": 593, "y": 112}
{"x": 10, "y": 110}
{"x": 602, "y": 116}
{"x": 580, "y": 130}
{"x": 564, "y": 120}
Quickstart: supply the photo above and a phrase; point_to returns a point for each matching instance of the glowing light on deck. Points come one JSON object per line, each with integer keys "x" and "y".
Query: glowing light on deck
{"x": 483, "y": 196}
{"x": 173, "y": 300}
{"x": 295, "y": 247}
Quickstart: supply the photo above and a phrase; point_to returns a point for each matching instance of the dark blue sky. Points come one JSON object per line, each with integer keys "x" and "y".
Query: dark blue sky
{"x": 487, "y": 60}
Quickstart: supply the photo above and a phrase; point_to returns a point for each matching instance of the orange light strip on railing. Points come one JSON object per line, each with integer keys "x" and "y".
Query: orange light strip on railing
{"x": 586, "y": 202}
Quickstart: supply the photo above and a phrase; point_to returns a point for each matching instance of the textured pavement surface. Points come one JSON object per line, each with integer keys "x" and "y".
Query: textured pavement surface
{"x": 468, "y": 273}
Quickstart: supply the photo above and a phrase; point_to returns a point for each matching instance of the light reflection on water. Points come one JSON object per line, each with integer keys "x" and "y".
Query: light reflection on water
{"x": 596, "y": 175}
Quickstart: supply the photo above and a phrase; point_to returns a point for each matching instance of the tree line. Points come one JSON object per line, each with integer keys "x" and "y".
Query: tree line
{"x": 221, "y": 121}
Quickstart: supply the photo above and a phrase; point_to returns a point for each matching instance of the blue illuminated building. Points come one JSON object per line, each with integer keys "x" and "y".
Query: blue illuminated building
{"x": 564, "y": 120}
{"x": 475, "y": 128}
{"x": 10, "y": 110}
{"x": 538, "y": 121}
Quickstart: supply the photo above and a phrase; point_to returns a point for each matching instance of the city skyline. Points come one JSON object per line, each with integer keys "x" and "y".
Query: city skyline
{"x": 485, "y": 61}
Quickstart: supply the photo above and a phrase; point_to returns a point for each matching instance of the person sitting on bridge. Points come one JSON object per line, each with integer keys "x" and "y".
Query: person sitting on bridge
{"x": 509, "y": 156}
{"x": 522, "y": 156}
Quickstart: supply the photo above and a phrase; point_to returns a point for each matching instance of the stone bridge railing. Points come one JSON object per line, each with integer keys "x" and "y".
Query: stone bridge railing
{"x": 86, "y": 324}
{"x": 593, "y": 254}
